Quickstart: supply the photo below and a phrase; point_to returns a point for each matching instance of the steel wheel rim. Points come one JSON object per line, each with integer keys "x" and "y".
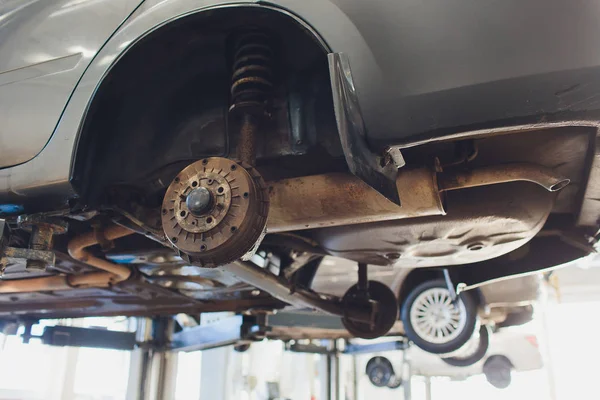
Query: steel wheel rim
{"x": 435, "y": 318}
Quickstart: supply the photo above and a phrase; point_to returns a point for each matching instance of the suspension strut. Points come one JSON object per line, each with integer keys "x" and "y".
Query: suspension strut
{"x": 251, "y": 86}
{"x": 215, "y": 210}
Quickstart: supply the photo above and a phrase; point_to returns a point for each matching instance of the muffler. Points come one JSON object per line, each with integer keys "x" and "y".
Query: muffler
{"x": 335, "y": 199}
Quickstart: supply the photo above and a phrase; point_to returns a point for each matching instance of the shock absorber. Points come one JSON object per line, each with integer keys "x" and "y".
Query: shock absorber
{"x": 215, "y": 210}
{"x": 251, "y": 86}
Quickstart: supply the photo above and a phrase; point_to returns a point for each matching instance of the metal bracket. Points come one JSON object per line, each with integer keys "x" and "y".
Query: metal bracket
{"x": 225, "y": 332}
{"x": 239, "y": 328}
{"x": 352, "y": 348}
{"x": 88, "y": 337}
{"x": 81, "y": 337}
{"x": 378, "y": 171}
{"x": 450, "y": 285}
{"x": 20, "y": 255}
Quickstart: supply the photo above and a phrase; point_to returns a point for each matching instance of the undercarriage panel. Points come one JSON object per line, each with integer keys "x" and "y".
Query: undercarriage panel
{"x": 481, "y": 223}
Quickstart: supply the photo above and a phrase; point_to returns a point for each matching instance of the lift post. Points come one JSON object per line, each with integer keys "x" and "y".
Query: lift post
{"x": 155, "y": 345}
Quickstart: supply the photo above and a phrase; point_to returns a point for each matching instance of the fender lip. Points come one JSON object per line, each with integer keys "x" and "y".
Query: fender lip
{"x": 53, "y": 170}
{"x": 377, "y": 171}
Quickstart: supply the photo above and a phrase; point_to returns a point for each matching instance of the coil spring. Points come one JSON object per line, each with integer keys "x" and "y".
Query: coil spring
{"x": 252, "y": 78}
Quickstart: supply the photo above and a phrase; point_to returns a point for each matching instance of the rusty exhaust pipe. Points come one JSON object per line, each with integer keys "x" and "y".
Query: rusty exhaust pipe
{"x": 56, "y": 283}
{"x": 78, "y": 245}
{"x": 543, "y": 176}
{"x": 111, "y": 273}
{"x": 342, "y": 199}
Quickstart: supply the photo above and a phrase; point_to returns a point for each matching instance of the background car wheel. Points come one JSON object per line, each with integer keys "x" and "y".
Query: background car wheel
{"x": 380, "y": 371}
{"x": 497, "y": 371}
{"x": 473, "y": 353}
{"x": 395, "y": 382}
{"x": 434, "y": 322}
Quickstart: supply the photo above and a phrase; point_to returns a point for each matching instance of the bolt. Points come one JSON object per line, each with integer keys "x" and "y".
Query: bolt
{"x": 199, "y": 201}
{"x": 41, "y": 239}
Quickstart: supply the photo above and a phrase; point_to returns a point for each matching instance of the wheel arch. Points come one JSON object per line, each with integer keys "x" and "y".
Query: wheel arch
{"x": 94, "y": 134}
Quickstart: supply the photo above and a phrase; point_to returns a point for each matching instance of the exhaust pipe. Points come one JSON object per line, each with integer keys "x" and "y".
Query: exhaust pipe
{"x": 110, "y": 273}
{"x": 543, "y": 176}
{"x": 342, "y": 199}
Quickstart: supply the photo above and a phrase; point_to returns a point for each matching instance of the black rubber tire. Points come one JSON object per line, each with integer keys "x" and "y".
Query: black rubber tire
{"x": 497, "y": 370}
{"x": 439, "y": 348}
{"x": 386, "y": 318}
{"x": 380, "y": 371}
{"x": 482, "y": 348}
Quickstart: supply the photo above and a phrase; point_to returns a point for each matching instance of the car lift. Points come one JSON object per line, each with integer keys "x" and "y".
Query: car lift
{"x": 156, "y": 341}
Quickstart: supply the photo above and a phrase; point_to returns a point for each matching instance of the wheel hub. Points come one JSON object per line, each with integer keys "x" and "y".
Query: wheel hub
{"x": 436, "y": 318}
{"x": 215, "y": 210}
{"x": 199, "y": 201}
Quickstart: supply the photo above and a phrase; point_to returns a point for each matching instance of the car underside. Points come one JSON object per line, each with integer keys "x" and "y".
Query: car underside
{"x": 222, "y": 158}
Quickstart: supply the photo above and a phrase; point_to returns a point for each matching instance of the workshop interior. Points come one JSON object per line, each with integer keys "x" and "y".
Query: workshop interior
{"x": 320, "y": 200}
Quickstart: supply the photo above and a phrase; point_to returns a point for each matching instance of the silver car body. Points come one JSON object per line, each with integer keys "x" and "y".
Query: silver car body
{"x": 46, "y": 47}
{"x": 410, "y": 65}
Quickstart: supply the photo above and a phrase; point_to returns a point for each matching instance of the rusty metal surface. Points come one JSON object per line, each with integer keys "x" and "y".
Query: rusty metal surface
{"x": 21, "y": 253}
{"x": 57, "y": 283}
{"x": 111, "y": 273}
{"x": 47, "y": 283}
{"x": 484, "y": 176}
{"x": 16, "y": 255}
{"x": 251, "y": 87}
{"x": 481, "y": 223}
{"x": 342, "y": 199}
{"x": 246, "y": 147}
{"x": 29, "y": 222}
{"x": 338, "y": 199}
{"x": 42, "y": 231}
{"x": 234, "y": 223}
{"x": 41, "y": 237}
{"x": 78, "y": 245}
{"x": 252, "y": 77}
